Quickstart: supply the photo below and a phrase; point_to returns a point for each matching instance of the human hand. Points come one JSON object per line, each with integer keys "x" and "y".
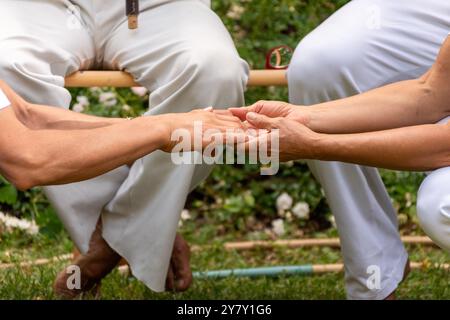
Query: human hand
{"x": 274, "y": 109}
{"x": 295, "y": 140}
{"x": 207, "y": 123}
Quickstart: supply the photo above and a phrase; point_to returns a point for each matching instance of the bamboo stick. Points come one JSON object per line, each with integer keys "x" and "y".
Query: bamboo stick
{"x": 248, "y": 245}
{"x": 308, "y": 269}
{"x": 298, "y": 243}
{"x": 85, "y": 79}
{"x": 38, "y": 262}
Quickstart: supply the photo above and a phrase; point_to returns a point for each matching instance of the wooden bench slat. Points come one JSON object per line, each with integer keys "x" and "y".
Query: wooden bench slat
{"x": 120, "y": 79}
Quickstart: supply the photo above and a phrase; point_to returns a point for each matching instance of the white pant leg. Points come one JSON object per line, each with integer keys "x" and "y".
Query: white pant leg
{"x": 183, "y": 54}
{"x": 433, "y": 205}
{"x": 33, "y": 57}
{"x": 364, "y": 45}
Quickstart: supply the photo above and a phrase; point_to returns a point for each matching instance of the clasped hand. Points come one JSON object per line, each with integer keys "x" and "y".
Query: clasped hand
{"x": 252, "y": 124}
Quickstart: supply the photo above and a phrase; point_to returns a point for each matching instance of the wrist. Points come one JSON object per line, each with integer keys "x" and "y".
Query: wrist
{"x": 162, "y": 125}
{"x": 320, "y": 146}
{"x": 302, "y": 114}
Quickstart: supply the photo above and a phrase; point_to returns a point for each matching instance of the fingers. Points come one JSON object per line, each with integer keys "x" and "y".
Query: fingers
{"x": 241, "y": 113}
{"x": 223, "y": 112}
{"x": 260, "y": 121}
{"x": 228, "y": 118}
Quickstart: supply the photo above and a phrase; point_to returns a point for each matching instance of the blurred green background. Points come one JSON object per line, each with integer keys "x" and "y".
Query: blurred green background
{"x": 235, "y": 202}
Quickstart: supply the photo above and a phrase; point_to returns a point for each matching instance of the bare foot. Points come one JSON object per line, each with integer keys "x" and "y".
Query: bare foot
{"x": 98, "y": 262}
{"x": 101, "y": 259}
{"x": 179, "y": 276}
{"x": 406, "y": 271}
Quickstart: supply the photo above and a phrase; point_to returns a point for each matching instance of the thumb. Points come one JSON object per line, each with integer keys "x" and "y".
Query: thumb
{"x": 260, "y": 121}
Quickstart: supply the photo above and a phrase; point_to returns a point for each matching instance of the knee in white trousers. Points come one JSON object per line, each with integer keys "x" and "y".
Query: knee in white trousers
{"x": 317, "y": 66}
{"x": 433, "y": 207}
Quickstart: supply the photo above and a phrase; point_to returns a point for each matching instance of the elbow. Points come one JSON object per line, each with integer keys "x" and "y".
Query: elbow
{"x": 19, "y": 177}
{"x": 25, "y": 171}
{"x": 23, "y": 182}
{"x": 434, "y": 94}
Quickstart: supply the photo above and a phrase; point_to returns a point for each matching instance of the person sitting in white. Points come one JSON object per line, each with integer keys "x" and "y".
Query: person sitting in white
{"x": 183, "y": 54}
{"x": 401, "y": 126}
{"x": 42, "y": 145}
{"x": 364, "y": 45}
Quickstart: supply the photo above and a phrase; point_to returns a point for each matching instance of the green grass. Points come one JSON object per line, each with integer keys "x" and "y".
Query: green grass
{"x": 35, "y": 282}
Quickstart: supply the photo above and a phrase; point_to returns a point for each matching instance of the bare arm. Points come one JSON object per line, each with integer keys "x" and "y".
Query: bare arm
{"x": 45, "y": 117}
{"x": 36, "y": 116}
{"x": 391, "y": 124}
{"x": 42, "y": 155}
{"x": 401, "y": 104}
{"x": 415, "y": 148}
{"x": 406, "y": 103}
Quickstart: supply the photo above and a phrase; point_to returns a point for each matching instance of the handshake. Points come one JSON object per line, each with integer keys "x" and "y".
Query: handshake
{"x": 267, "y": 132}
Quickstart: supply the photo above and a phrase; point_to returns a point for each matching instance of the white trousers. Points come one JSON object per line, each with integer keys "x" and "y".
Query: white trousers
{"x": 181, "y": 52}
{"x": 366, "y": 44}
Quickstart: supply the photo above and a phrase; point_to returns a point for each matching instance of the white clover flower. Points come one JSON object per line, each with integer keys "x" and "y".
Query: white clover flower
{"x": 185, "y": 215}
{"x": 95, "y": 90}
{"x": 402, "y": 219}
{"x": 284, "y": 202}
{"x": 77, "y": 107}
{"x": 301, "y": 210}
{"x": 83, "y": 100}
{"x": 9, "y": 222}
{"x": 278, "y": 227}
{"x": 332, "y": 220}
{"x": 105, "y": 96}
{"x": 110, "y": 103}
{"x": 235, "y": 12}
{"x": 408, "y": 198}
{"x": 139, "y": 91}
{"x": 108, "y": 99}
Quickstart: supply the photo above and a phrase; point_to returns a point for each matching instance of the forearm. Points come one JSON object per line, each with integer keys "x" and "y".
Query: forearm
{"x": 405, "y": 103}
{"x": 44, "y": 157}
{"x": 45, "y": 117}
{"x": 75, "y": 155}
{"x": 38, "y": 117}
{"x": 397, "y": 105}
{"x": 416, "y": 148}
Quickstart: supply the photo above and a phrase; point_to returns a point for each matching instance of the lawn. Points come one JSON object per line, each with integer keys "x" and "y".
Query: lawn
{"x": 35, "y": 282}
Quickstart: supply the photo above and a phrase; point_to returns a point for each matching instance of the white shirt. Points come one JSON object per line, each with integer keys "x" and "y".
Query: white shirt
{"x": 4, "y": 102}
